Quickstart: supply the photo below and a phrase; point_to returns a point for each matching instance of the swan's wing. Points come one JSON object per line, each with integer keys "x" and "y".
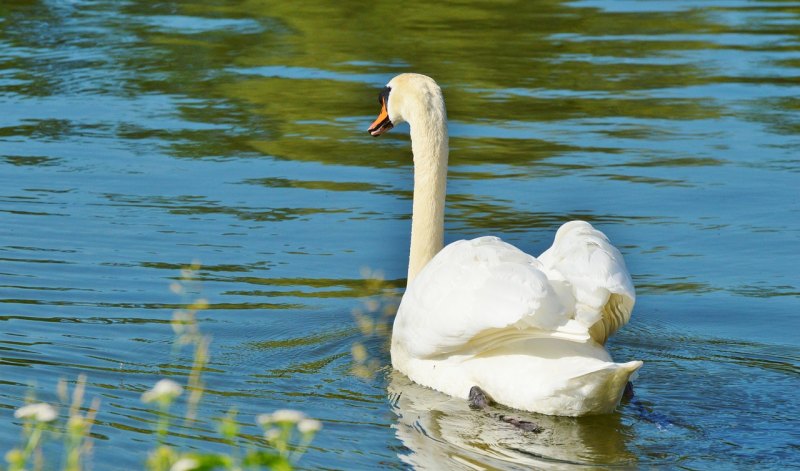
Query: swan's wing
{"x": 473, "y": 292}
{"x": 585, "y": 260}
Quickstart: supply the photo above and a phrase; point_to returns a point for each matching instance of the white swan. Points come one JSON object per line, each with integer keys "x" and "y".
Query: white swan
{"x": 529, "y": 332}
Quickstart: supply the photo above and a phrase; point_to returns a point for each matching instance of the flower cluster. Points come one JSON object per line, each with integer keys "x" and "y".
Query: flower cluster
{"x": 164, "y": 392}
{"x": 283, "y": 417}
{"x": 40, "y": 412}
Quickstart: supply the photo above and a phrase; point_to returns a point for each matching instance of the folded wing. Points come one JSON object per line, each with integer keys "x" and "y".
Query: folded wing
{"x": 475, "y": 293}
{"x": 593, "y": 270}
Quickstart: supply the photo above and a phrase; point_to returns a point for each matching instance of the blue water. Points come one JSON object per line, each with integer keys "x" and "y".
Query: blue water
{"x": 136, "y": 137}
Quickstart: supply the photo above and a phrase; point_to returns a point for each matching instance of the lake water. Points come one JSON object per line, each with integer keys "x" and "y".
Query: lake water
{"x": 138, "y": 136}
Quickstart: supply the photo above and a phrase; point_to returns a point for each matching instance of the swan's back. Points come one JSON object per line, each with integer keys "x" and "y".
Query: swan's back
{"x": 578, "y": 287}
{"x": 527, "y": 330}
{"x": 474, "y": 288}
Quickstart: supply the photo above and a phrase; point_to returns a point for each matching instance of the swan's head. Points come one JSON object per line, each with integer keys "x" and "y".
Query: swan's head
{"x": 405, "y": 98}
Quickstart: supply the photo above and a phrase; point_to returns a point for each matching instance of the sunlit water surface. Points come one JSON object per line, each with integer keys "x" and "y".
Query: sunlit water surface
{"x": 138, "y": 136}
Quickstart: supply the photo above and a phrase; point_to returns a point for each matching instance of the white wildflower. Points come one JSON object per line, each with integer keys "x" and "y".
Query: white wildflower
{"x": 272, "y": 434}
{"x": 40, "y": 412}
{"x": 306, "y": 426}
{"x": 165, "y": 390}
{"x": 185, "y": 464}
{"x": 180, "y": 319}
{"x": 288, "y": 415}
{"x": 264, "y": 419}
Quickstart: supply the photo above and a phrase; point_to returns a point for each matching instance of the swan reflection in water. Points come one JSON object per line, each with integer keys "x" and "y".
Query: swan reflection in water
{"x": 442, "y": 432}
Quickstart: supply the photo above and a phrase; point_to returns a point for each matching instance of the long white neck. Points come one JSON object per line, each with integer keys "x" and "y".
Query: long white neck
{"x": 429, "y": 143}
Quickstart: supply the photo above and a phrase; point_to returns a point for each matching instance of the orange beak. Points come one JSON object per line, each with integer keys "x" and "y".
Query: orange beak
{"x": 382, "y": 123}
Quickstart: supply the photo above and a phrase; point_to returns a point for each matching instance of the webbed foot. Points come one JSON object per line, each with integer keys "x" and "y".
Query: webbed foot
{"x": 522, "y": 424}
{"x": 478, "y": 399}
{"x": 627, "y": 394}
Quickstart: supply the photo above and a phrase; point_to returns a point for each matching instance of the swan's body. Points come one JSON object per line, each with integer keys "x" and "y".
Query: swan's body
{"x": 529, "y": 332}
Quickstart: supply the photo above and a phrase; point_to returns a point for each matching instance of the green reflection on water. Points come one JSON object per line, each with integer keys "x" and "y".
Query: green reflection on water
{"x": 493, "y": 60}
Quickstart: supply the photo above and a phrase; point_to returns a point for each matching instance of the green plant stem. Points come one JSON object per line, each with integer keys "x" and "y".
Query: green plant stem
{"x": 163, "y": 423}
{"x": 195, "y": 384}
